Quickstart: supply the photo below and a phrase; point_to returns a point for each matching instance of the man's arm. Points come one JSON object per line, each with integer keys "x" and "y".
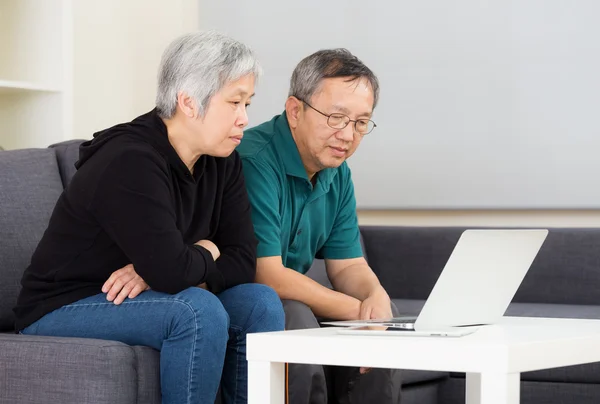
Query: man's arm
{"x": 293, "y": 285}
{"x": 354, "y": 277}
{"x": 347, "y": 269}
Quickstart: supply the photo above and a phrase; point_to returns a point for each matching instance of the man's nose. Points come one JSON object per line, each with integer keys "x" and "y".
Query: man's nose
{"x": 347, "y": 134}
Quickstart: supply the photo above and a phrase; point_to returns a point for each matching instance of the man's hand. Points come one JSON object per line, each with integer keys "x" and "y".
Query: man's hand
{"x": 210, "y": 246}
{"x": 124, "y": 283}
{"x": 376, "y": 306}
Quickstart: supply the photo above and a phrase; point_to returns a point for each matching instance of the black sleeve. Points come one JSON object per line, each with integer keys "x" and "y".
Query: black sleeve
{"x": 235, "y": 236}
{"x": 133, "y": 204}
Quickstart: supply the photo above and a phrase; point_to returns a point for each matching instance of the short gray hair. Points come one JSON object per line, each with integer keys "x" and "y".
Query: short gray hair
{"x": 200, "y": 64}
{"x": 325, "y": 64}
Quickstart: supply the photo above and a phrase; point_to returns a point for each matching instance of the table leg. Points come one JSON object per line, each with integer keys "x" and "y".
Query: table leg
{"x": 266, "y": 382}
{"x": 493, "y": 388}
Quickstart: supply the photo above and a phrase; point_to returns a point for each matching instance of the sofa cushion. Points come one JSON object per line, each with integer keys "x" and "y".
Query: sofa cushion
{"x": 318, "y": 273}
{"x": 412, "y": 307}
{"x": 516, "y": 309}
{"x": 30, "y": 185}
{"x": 37, "y": 369}
{"x": 148, "y": 375}
{"x": 410, "y": 376}
{"x": 453, "y": 392}
{"x": 67, "y": 153}
{"x": 409, "y": 260}
{"x": 566, "y": 270}
{"x": 422, "y": 393}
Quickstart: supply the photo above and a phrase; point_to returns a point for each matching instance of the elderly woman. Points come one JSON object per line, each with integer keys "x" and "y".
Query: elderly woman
{"x": 152, "y": 241}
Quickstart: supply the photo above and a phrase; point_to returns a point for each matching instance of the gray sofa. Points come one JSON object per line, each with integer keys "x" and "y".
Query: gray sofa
{"x": 44, "y": 369}
{"x": 564, "y": 281}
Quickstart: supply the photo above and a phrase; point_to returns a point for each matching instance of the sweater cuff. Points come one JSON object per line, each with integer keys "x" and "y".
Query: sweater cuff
{"x": 212, "y": 276}
{"x": 215, "y": 280}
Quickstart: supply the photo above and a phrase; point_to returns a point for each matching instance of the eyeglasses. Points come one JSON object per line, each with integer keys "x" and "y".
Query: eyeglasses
{"x": 340, "y": 121}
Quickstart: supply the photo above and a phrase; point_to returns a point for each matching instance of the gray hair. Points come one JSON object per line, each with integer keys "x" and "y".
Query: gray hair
{"x": 200, "y": 64}
{"x": 325, "y": 64}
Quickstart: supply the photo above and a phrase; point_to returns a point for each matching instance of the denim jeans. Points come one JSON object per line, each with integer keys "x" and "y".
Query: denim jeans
{"x": 200, "y": 336}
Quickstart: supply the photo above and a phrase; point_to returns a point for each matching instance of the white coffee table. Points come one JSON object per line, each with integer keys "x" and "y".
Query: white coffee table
{"x": 493, "y": 357}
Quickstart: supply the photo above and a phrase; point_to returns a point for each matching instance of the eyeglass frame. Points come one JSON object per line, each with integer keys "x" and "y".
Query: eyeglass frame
{"x": 341, "y": 115}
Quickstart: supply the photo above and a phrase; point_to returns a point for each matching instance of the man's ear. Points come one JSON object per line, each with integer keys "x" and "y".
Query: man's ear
{"x": 186, "y": 104}
{"x": 293, "y": 110}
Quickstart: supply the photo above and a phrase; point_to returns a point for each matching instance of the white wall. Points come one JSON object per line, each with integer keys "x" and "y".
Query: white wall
{"x": 117, "y": 49}
{"x": 282, "y": 33}
{"x": 484, "y": 104}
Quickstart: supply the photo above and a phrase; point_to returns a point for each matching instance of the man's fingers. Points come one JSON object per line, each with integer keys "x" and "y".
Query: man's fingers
{"x": 364, "y": 371}
{"x": 363, "y": 309}
{"x": 365, "y": 312}
{"x": 381, "y": 314}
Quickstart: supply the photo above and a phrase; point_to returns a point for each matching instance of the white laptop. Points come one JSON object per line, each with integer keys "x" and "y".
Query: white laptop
{"x": 474, "y": 289}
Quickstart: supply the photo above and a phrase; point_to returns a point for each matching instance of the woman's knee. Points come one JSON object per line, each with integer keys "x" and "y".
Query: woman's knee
{"x": 201, "y": 308}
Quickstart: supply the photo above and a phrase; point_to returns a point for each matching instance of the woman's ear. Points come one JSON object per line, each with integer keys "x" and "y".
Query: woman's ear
{"x": 186, "y": 104}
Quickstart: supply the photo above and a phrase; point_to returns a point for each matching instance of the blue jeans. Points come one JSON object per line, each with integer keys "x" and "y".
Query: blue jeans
{"x": 200, "y": 336}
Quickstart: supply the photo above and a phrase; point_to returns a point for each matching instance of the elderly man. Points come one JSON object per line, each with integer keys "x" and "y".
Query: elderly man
{"x": 303, "y": 207}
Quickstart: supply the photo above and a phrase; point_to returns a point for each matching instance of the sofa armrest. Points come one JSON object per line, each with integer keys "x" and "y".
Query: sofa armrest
{"x": 36, "y": 369}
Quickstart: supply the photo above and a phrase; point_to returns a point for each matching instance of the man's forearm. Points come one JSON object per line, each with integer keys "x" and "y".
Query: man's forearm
{"x": 323, "y": 301}
{"x": 358, "y": 281}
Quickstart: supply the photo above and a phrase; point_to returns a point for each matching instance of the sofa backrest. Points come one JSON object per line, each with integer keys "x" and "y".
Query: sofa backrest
{"x": 30, "y": 185}
{"x": 408, "y": 261}
{"x": 67, "y": 154}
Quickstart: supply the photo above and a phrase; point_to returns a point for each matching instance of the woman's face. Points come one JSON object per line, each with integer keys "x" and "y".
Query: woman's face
{"x": 220, "y": 130}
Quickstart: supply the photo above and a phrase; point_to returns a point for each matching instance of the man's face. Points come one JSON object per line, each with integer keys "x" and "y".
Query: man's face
{"x": 320, "y": 145}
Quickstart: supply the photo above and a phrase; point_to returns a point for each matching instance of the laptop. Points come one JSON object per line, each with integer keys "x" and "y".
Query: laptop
{"x": 474, "y": 289}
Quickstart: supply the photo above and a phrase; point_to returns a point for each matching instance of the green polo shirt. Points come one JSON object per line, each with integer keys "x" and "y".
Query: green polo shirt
{"x": 292, "y": 218}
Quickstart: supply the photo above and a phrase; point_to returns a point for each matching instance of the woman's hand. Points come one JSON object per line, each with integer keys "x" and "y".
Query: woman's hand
{"x": 124, "y": 283}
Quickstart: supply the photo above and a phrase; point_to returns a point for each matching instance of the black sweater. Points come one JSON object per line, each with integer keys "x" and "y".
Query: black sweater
{"x": 132, "y": 200}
